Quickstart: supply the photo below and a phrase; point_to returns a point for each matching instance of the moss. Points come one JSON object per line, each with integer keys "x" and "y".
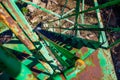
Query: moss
{"x": 24, "y": 10}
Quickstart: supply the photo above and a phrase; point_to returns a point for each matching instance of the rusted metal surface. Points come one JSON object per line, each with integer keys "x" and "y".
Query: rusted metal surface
{"x": 6, "y": 18}
{"x": 31, "y": 77}
{"x": 20, "y": 19}
{"x": 94, "y": 70}
{"x": 93, "y": 63}
{"x": 97, "y": 64}
{"x": 2, "y": 27}
{"x": 82, "y": 51}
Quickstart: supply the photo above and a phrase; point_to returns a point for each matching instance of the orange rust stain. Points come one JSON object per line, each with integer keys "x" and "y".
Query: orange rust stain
{"x": 77, "y": 54}
{"x": 92, "y": 72}
{"x": 63, "y": 78}
{"x": 84, "y": 50}
{"x": 7, "y": 19}
{"x": 19, "y": 20}
{"x": 31, "y": 77}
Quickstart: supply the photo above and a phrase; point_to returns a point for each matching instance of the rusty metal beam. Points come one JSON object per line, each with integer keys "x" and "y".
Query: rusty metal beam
{"x": 7, "y": 19}
{"x": 20, "y": 19}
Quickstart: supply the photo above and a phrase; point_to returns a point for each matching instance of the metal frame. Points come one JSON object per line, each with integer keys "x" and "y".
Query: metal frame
{"x": 54, "y": 55}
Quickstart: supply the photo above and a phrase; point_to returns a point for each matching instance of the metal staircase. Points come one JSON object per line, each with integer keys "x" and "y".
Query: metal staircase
{"x": 40, "y": 54}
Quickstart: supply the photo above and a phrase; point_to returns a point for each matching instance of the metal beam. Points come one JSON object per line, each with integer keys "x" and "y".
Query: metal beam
{"x": 114, "y": 2}
{"x": 14, "y": 67}
{"x": 6, "y": 18}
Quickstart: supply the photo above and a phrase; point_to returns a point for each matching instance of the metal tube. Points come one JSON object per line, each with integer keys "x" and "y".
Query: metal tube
{"x": 82, "y": 15}
{"x": 6, "y": 18}
{"x": 102, "y": 37}
{"x": 76, "y": 17}
{"x": 68, "y": 12}
{"x": 114, "y": 2}
{"x": 14, "y": 67}
{"x": 20, "y": 19}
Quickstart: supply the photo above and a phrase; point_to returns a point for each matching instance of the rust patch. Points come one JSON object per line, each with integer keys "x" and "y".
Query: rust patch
{"x": 31, "y": 77}
{"x": 91, "y": 72}
{"x": 7, "y": 19}
{"x": 84, "y": 50}
{"x": 77, "y": 54}
{"x": 19, "y": 20}
{"x": 63, "y": 78}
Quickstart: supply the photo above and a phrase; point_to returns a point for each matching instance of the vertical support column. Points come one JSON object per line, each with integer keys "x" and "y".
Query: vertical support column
{"x": 104, "y": 55}
{"x": 76, "y": 18}
{"x": 102, "y": 37}
{"x": 82, "y": 15}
